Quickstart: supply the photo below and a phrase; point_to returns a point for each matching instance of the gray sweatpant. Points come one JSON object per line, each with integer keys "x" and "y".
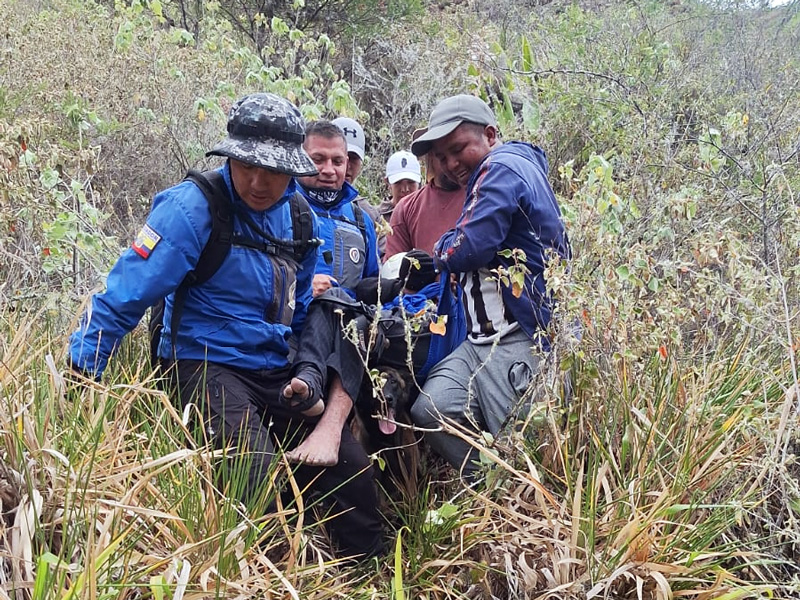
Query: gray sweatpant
{"x": 477, "y": 387}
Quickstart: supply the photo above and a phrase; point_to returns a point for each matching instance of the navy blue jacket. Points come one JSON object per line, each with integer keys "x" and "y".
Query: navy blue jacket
{"x": 243, "y": 316}
{"x": 510, "y": 204}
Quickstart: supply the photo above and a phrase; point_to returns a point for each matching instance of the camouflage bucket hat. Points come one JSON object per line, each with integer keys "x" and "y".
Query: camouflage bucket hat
{"x": 267, "y": 131}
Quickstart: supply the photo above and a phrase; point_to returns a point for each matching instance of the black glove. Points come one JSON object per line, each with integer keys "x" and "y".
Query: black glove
{"x": 366, "y": 290}
{"x": 417, "y": 270}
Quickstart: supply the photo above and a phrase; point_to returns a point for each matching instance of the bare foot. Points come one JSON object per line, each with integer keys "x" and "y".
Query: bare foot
{"x": 297, "y": 390}
{"x": 320, "y": 448}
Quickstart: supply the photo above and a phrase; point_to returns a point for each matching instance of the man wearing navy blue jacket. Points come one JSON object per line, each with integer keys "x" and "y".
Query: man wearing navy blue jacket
{"x": 231, "y": 350}
{"x": 511, "y": 221}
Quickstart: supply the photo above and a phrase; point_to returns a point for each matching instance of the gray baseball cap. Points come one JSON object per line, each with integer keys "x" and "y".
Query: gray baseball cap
{"x": 267, "y": 131}
{"x": 353, "y": 134}
{"x": 449, "y": 114}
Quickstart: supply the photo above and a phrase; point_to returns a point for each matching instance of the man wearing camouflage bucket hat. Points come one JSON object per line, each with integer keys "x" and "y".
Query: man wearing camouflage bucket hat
{"x": 228, "y": 355}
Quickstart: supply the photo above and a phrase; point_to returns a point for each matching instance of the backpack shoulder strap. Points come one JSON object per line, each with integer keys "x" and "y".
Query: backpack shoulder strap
{"x": 302, "y": 226}
{"x": 215, "y": 191}
{"x": 358, "y": 214}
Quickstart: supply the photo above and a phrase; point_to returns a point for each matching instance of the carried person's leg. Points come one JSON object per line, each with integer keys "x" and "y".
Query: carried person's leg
{"x": 346, "y": 486}
{"x": 305, "y": 390}
{"x": 242, "y": 409}
{"x": 321, "y": 447}
{"x": 324, "y": 352}
{"x": 349, "y": 495}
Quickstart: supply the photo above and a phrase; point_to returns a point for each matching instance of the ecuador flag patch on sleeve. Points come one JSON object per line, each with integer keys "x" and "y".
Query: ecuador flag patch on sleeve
{"x": 145, "y": 241}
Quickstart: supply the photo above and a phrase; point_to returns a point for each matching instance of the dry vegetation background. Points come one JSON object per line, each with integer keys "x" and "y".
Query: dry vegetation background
{"x": 673, "y": 133}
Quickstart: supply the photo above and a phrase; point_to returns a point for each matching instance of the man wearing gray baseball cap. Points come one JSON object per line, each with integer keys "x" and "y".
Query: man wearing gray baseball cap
{"x": 232, "y": 253}
{"x": 448, "y": 115}
{"x": 511, "y": 223}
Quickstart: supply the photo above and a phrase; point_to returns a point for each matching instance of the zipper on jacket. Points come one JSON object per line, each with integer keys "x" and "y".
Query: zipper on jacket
{"x": 339, "y": 276}
{"x": 282, "y": 304}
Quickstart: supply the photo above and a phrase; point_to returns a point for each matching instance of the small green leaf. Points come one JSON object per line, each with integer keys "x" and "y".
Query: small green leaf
{"x": 158, "y": 584}
{"x": 527, "y": 55}
{"x": 49, "y": 178}
{"x": 448, "y": 510}
{"x": 397, "y": 581}
{"x": 794, "y": 504}
{"x": 505, "y": 113}
{"x": 155, "y": 6}
{"x": 279, "y": 26}
{"x": 49, "y": 558}
{"x": 531, "y": 117}
{"x": 28, "y": 158}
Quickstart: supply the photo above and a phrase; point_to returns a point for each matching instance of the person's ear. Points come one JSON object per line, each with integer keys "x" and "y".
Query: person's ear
{"x": 490, "y": 131}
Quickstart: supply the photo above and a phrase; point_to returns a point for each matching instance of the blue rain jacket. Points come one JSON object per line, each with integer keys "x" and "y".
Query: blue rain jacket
{"x": 243, "y": 316}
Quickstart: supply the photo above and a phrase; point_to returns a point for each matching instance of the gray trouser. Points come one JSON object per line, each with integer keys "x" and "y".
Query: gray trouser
{"x": 477, "y": 387}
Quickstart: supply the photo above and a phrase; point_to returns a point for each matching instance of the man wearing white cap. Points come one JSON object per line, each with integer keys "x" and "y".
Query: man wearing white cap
{"x": 356, "y": 146}
{"x": 356, "y": 152}
{"x": 511, "y": 222}
{"x": 403, "y": 176}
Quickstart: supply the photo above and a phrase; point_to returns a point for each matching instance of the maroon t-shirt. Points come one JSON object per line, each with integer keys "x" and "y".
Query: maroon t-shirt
{"x": 422, "y": 217}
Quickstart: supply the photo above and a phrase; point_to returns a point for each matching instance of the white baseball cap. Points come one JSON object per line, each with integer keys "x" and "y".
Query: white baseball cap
{"x": 403, "y": 165}
{"x": 353, "y": 134}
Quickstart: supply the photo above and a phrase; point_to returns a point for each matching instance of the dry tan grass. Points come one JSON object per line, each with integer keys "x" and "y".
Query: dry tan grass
{"x": 658, "y": 489}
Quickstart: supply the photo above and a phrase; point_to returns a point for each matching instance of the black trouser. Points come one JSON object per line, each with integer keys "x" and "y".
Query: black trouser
{"x": 241, "y": 409}
{"x": 323, "y": 350}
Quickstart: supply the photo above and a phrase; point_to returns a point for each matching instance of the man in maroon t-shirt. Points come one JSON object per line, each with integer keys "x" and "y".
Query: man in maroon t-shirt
{"x": 422, "y": 217}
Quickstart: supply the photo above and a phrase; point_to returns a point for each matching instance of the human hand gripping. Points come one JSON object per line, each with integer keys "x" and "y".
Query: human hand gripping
{"x": 321, "y": 283}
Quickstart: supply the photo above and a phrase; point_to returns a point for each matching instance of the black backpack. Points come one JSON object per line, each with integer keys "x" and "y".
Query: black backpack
{"x": 219, "y": 244}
